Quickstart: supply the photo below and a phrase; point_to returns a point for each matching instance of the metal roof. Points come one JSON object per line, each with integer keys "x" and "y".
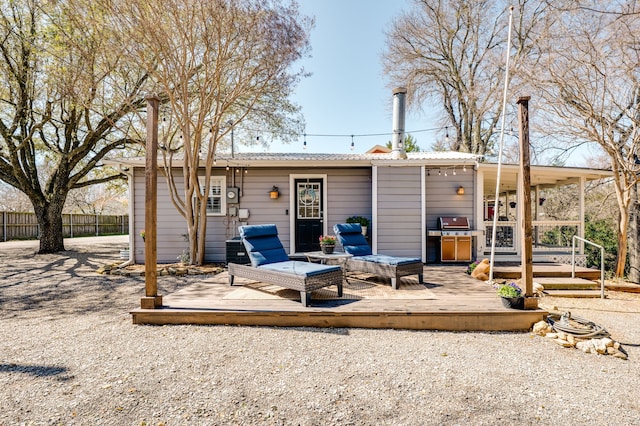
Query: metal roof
{"x": 265, "y": 159}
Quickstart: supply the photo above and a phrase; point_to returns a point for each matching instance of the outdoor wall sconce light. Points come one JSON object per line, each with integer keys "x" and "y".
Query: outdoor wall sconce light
{"x": 541, "y": 200}
{"x": 460, "y": 190}
{"x": 512, "y": 204}
{"x": 274, "y": 193}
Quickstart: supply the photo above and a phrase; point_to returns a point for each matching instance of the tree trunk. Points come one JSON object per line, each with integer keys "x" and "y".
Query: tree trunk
{"x": 622, "y": 244}
{"x": 634, "y": 236}
{"x": 49, "y": 216}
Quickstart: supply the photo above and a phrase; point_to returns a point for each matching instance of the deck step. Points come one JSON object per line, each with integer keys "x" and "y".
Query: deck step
{"x": 514, "y": 271}
{"x": 574, "y": 293}
{"x": 566, "y": 283}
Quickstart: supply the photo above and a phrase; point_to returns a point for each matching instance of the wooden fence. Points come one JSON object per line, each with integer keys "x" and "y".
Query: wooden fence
{"x": 24, "y": 226}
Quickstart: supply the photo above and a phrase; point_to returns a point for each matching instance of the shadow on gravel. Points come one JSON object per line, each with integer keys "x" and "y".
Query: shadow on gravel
{"x": 66, "y": 283}
{"x": 35, "y": 370}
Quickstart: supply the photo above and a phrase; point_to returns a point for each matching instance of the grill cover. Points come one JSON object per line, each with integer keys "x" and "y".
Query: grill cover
{"x": 448, "y": 223}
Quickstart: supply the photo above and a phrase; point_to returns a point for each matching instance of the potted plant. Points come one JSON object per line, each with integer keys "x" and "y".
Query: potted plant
{"x": 327, "y": 243}
{"x": 142, "y": 234}
{"x": 511, "y": 295}
{"x": 363, "y": 221}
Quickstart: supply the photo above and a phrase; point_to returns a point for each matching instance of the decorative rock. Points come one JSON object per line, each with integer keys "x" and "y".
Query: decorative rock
{"x": 571, "y": 339}
{"x": 607, "y": 342}
{"x": 552, "y": 335}
{"x": 620, "y": 355}
{"x": 538, "y": 289}
{"x": 542, "y": 328}
{"x": 563, "y": 343}
{"x": 585, "y": 346}
{"x": 610, "y": 350}
{"x": 562, "y": 335}
{"x": 600, "y": 346}
{"x": 616, "y": 345}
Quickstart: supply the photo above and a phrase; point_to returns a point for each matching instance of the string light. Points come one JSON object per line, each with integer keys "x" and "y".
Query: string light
{"x": 352, "y": 144}
{"x": 464, "y": 168}
{"x": 304, "y": 145}
{"x": 454, "y": 171}
{"x": 446, "y": 136}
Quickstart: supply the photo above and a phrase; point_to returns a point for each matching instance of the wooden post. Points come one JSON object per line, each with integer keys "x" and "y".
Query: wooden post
{"x": 151, "y": 300}
{"x": 524, "y": 181}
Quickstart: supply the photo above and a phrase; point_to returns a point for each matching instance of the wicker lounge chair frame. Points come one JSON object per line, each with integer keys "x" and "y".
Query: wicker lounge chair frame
{"x": 394, "y": 272}
{"x": 267, "y": 254}
{"x": 361, "y": 248}
{"x": 305, "y": 285}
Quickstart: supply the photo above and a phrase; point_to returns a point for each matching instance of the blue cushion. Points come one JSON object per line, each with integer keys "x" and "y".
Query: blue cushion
{"x": 262, "y": 244}
{"x": 389, "y": 260}
{"x": 351, "y": 238}
{"x": 304, "y": 269}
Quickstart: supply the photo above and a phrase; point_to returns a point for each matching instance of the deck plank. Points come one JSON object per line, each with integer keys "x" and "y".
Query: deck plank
{"x": 455, "y": 302}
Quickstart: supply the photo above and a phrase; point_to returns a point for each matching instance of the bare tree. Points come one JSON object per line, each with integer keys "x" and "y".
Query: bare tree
{"x": 451, "y": 53}
{"x": 226, "y": 62}
{"x": 591, "y": 89}
{"x": 66, "y": 100}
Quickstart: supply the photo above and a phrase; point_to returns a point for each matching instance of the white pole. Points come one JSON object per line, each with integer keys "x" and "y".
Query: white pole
{"x": 502, "y": 125}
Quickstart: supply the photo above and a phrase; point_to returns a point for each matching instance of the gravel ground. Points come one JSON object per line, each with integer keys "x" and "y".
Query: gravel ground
{"x": 70, "y": 355}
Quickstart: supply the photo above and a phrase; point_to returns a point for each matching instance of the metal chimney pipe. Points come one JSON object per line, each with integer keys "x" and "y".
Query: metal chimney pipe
{"x": 399, "y": 95}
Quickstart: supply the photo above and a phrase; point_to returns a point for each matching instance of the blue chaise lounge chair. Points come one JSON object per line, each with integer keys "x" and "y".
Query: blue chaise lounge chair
{"x": 270, "y": 264}
{"x": 363, "y": 260}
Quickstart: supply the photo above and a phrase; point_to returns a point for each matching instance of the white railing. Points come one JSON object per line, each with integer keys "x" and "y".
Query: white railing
{"x": 548, "y": 235}
{"x": 573, "y": 261}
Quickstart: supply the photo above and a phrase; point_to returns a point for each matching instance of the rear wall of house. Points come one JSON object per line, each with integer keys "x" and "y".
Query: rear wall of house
{"x": 442, "y": 200}
{"x": 399, "y": 211}
{"x": 348, "y": 194}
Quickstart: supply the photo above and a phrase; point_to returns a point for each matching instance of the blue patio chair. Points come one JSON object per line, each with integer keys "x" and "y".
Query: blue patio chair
{"x": 270, "y": 264}
{"x": 363, "y": 260}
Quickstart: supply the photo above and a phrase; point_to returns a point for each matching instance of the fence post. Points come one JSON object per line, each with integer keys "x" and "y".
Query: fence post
{"x": 97, "y": 226}
{"x": 71, "y": 224}
{"x": 4, "y": 225}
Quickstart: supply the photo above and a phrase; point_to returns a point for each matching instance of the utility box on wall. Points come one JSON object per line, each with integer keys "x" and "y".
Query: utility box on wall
{"x": 236, "y": 252}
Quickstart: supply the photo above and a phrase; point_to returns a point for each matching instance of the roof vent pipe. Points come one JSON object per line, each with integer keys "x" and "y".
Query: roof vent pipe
{"x": 399, "y": 95}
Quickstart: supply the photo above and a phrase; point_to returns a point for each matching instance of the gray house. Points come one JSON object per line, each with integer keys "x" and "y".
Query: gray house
{"x": 438, "y": 206}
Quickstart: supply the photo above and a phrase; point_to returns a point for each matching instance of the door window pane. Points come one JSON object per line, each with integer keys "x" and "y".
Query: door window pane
{"x": 308, "y": 200}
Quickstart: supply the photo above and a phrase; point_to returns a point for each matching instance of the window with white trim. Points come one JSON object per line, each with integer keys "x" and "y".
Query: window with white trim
{"x": 216, "y": 202}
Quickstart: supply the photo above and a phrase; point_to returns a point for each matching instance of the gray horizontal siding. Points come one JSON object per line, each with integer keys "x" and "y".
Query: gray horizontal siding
{"x": 399, "y": 211}
{"x": 349, "y": 193}
{"x": 442, "y": 200}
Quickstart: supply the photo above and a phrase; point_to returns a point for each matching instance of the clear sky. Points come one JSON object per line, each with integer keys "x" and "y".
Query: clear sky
{"x": 347, "y": 92}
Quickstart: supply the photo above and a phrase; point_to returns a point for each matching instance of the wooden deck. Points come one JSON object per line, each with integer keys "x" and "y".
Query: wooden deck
{"x": 449, "y": 300}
